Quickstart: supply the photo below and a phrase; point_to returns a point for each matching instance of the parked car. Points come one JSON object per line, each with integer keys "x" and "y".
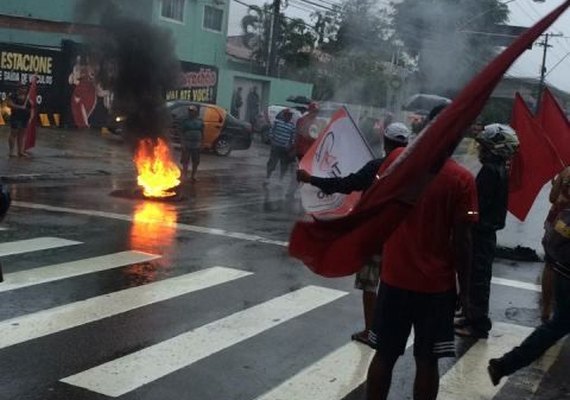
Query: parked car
{"x": 223, "y": 133}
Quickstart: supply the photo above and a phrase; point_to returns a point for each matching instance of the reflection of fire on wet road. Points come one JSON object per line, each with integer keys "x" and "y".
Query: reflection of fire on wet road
{"x": 153, "y": 230}
{"x": 158, "y": 175}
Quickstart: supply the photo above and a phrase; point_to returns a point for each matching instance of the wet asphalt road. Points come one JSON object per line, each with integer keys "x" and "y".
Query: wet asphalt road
{"x": 254, "y": 341}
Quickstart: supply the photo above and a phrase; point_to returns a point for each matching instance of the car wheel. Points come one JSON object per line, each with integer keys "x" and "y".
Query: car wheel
{"x": 222, "y": 146}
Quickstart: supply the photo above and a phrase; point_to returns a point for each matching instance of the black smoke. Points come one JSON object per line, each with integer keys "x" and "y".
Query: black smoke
{"x": 137, "y": 62}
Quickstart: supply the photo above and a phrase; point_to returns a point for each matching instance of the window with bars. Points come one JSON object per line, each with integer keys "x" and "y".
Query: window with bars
{"x": 213, "y": 18}
{"x": 173, "y": 9}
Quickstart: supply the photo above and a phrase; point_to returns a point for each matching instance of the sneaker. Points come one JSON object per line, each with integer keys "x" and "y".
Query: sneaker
{"x": 460, "y": 322}
{"x": 469, "y": 331}
{"x": 495, "y": 371}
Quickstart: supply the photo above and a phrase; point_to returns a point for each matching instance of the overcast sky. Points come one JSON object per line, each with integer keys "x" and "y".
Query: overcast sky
{"x": 523, "y": 13}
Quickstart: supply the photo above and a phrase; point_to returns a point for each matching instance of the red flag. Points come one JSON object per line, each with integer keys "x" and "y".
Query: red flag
{"x": 534, "y": 165}
{"x": 340, "y": 247}
{"x": 32, "y": 125}
{"x": 556, "y": 125}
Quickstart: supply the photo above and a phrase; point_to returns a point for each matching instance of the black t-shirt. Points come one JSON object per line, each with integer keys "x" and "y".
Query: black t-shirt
{"x": 18, "y": 113}
{"x": 493, "y": 192}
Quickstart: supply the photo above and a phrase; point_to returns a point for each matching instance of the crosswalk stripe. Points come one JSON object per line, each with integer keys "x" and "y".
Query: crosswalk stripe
{"x": 468, "y": 378}
{"x": 36, "y": 276}
{"x": 333, "y": 377}
{"x": 46, "y": 322}
{"x": 29, "y": 245}
{"x": 130, "y": 372}
{"x": 516, "y": 284}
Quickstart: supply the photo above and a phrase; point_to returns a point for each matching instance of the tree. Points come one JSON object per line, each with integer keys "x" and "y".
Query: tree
{"x": 439, "y": 33}
{"x": 294, "y": 43}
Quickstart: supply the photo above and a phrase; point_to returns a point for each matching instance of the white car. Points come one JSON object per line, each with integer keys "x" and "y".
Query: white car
{"x": 266, "y": 119}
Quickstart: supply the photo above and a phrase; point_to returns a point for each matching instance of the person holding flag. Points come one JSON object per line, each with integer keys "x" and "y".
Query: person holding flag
{"x": 497, "y": 145}
{"x": 19, "y": 103}
{"x": 396, "y": 135}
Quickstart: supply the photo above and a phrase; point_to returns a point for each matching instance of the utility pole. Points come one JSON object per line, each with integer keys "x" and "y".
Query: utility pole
{"x": 546, "y": 46}
{"x": 271, "y": 65}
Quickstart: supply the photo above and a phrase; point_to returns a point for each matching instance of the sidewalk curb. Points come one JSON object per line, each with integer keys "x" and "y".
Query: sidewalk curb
{"x": 24, "y": 178}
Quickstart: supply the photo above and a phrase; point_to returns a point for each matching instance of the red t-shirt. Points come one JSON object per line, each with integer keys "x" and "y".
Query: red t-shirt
{"x": 418, "y": 256}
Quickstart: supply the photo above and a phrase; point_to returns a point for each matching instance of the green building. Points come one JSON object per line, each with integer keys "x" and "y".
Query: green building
{"x": 37, "y": 34}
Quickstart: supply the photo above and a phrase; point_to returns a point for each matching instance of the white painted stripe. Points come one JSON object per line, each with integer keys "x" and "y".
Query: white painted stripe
{"x": 333, "y": 377}
{"x": 29, "y": 245}
{"x": 3, "y": 228}
{"x": 179, "y": 226}
{"x": 46, "y": 322}
{"x": 130, "y": 372}
{"x": 468, "y": 378}
{"x": 516, "y": 284}
{"x": 36, "y": 276}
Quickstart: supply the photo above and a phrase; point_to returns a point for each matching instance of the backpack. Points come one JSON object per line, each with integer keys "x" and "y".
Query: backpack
{"x": 556, "y": 243}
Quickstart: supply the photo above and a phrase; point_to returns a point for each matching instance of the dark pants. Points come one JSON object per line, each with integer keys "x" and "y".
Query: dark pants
{"x": 186, "y": 155}
{"x": 278, "y": 155}
{"x": 484, "y": 248}
{"x": 546, "y": 335}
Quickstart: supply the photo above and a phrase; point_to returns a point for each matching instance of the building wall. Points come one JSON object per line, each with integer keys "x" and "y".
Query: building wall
{"x": 274, "y": 91}
{"x": 193, "y": 43}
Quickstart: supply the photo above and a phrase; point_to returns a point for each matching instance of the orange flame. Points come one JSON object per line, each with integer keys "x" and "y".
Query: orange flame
{"x": 157, "y": 173}
{"x": 153, "y": 231}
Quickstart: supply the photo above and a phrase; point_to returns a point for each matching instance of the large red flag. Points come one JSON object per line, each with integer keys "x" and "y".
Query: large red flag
{"x": 32, "y": 123}
{"x": 556, "y": 125}
{"x": 340, "y": 247}
{"x": 534, "y": 165}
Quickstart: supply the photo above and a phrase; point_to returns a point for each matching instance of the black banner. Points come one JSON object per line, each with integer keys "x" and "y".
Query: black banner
{"x": 198, "y": 83}
{"x": 18, "y": 64}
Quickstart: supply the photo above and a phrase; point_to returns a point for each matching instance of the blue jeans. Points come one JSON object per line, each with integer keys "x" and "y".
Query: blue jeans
{"x": 546, "y": 335}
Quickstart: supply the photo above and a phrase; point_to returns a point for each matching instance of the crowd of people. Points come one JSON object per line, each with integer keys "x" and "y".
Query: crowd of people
{"x": 434, "y": 273}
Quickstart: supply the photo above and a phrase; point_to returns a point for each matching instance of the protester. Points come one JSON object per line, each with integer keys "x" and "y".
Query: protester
{"x": 192, "y": 131}
{"x": 497, "y": 145}
{"x": 560, "y": 199}
{"x": 418, "y": 280}
{"x": 20, "y": 115}
{"x": 556, "y": 243}
{"x": 282, "y": 140}
{"x": 304, "y": 140}
{"x": 396, "y": 136}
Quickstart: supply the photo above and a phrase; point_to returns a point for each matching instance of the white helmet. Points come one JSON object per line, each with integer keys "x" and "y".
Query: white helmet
{"x": 398, "y": 132}
{"x": 500, "y": 140}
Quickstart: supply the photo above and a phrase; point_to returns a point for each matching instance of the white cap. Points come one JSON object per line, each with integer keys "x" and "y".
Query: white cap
{"x": 398, "y": 132}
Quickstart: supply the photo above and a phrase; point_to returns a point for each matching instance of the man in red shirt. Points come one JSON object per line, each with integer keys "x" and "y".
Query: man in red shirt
{"x": 418, "y": 287}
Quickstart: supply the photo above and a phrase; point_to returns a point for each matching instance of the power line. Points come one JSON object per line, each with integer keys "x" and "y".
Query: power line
{"x": 310, "y": 2}
{"x": 557, "y": 64}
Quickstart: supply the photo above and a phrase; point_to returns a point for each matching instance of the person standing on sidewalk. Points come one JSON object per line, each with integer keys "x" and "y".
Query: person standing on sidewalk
{"x": 19, "y": 117}
{"x": 556, "y": 243}
{"x": 192, "y": 131}
{"x": 282, "y": 139}
{"x": 497, "y": 145}
{"x": 367, "y": 279}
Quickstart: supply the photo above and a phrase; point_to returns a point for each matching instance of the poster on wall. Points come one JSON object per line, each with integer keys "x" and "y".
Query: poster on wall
{"x": 86, "y": 103}
{"x": 198, "y": 82}
{"x": 247, "y": 99}
{"x": 18, "y": 64}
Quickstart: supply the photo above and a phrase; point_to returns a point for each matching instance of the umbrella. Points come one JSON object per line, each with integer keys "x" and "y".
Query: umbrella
{"x": 424, "y": 102}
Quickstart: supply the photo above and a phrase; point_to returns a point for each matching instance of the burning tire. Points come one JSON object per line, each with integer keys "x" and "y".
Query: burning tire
{"x": 223, "y": 146}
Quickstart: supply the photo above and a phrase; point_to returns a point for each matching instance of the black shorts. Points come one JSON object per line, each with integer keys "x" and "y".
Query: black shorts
{"x": 431, "y": 315}
{"x": 18, "y": 123}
